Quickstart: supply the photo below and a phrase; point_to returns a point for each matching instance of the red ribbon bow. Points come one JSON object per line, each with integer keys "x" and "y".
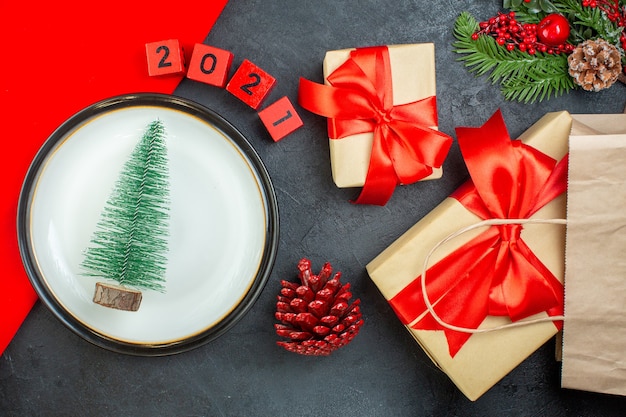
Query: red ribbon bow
{"x": 495, "y": 273}
{"x": 360, "y": 99}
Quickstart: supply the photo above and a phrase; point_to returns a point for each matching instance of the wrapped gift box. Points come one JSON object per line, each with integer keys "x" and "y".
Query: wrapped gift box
{"x": 412, "y": 80}
{"x": 487, "y": 357}
{"x": 413, "y": 71}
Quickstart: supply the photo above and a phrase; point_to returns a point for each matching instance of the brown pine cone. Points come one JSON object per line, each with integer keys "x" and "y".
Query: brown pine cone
{"x": 316, "y": 315}
{"x": 595, "y": 64}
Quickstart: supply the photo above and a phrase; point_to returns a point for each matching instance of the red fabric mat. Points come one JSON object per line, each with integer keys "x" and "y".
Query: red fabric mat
{"x": 57, "y": 58}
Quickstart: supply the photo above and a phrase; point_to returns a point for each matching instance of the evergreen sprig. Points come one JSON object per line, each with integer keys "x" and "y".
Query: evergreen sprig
{"x": 585, "y": 22}
{"x": 522, "y": 77}
{"x": 130, "y": 242}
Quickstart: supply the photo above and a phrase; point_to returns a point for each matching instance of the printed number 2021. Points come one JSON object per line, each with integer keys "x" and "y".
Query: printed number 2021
{"x": 163, "y": 63}
{"x": 286, "y": 117}
{"x": 256, "y": 80}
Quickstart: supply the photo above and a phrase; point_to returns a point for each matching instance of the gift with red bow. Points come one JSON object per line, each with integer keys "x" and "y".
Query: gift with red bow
{"x": 509, "y": 270}
{"x": 382, "y": 117}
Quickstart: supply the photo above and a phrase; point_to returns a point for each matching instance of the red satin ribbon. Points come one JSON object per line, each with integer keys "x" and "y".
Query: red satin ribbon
{"x": 495, "y": 273}
{"x": 360, "y": 99}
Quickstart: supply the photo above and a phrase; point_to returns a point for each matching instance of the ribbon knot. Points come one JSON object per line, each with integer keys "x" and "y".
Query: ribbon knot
{"x": 383, "y": 116}
{"x": 495, "y": 273}
{"x": 406, "y": 146}
{"x": 510, "y": 232}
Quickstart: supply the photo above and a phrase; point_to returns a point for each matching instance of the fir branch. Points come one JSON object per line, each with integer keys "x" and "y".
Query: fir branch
{"x": 523, "y": 77}
{"x": 130, "y": 240}
{"x": 532, "y": 11}
{"x": 585, "y": 22}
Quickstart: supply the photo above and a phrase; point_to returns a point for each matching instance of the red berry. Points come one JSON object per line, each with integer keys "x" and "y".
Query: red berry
{"x": 553, "y": 29}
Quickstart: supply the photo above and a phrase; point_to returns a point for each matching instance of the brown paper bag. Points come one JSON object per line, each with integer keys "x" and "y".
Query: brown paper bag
{"x": 594, "y": 332}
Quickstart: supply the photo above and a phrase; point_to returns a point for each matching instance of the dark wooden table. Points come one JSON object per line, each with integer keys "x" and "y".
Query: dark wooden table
{"x": 49, "y": 371}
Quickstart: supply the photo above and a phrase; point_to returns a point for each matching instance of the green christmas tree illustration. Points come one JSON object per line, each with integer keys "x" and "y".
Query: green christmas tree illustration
{"x": 130, "y": 243}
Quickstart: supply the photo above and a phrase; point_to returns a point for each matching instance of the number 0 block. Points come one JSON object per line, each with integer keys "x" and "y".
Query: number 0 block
{"x": 280, "y": 118}
{"x": 209, "y": 65}
{"x": 165, "y": 58}
{"x": 250, "y": 84}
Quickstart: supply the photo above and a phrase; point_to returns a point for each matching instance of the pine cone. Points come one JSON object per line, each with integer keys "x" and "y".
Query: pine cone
{"x": 316, "y": 315}
{"x": 595, "y": 64}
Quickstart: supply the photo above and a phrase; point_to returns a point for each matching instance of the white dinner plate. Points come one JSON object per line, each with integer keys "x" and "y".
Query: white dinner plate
{"x": 223, "y": 223}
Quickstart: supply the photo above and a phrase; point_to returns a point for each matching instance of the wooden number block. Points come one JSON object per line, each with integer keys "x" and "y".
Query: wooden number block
{"x": 165, "y": 58}
{"x": 280, "y": 118}
{"x": 250, "y": 84}
{"x": 209, "y": 65}
{"x": 114, "y": 296}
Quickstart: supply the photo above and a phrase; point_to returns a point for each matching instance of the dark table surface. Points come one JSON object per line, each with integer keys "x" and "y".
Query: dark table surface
{"x": 49, "y": 371}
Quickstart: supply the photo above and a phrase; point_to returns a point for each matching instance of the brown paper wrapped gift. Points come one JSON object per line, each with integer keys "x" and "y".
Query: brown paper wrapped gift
{"x": 594, "y": 332}
{"x": 388, "y": 89}
{"x": 484, "y": 358}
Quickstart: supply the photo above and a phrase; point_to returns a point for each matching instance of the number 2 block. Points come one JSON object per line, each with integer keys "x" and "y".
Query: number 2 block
{"x": 209, "y": 65}
{"x": 250, "y": 84}
{"x": 280, "y": 118}
{"x": 165, "y": 58}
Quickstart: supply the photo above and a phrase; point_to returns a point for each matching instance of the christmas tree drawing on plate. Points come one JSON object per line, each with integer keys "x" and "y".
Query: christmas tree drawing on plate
{"x": 130, "y": 243}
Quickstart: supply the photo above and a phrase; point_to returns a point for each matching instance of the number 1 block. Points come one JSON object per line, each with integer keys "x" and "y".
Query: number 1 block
{"x": 165, "y": 58}
{"x": 250, "y": 84}
{"x": 209, "y": 65}
{"x": 280, "y": 118}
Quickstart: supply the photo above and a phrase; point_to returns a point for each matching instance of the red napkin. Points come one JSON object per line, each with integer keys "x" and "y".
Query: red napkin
{"x": 59, "y": 57}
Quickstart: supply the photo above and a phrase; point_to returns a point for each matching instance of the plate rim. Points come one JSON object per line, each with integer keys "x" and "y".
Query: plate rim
{"x": 231, "y": 133}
